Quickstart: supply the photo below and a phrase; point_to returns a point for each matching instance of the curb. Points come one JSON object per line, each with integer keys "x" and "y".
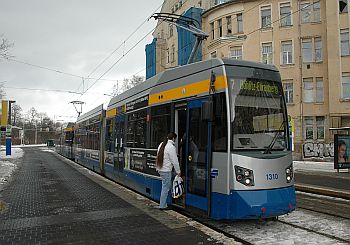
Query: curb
{"x": 323, "y": 191}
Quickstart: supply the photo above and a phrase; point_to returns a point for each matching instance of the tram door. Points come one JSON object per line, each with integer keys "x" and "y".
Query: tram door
{"x": 180, "y": 129}
{"x": 119, "y": 144}
{"x": 197, "y": 161}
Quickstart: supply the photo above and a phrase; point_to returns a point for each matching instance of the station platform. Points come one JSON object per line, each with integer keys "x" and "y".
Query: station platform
{"x": 53, "y": 200}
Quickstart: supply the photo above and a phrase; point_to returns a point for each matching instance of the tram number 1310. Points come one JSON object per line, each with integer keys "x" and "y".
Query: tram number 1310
{"x": 271, "y": 176}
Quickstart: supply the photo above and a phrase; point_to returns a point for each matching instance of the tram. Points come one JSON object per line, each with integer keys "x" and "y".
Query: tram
{"x": 64, "y": 140}
{"x": 233, "y": 143}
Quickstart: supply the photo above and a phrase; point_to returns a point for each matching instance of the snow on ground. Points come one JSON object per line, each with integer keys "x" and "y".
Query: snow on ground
{"x": 275, "y": 232}
{"x": 21, "y": 146}
{"x": 7, "y": 163}
{"x": 323, "y": 223}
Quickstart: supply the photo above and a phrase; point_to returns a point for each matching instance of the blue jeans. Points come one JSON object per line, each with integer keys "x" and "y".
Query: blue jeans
{"x": 166, "y": 184}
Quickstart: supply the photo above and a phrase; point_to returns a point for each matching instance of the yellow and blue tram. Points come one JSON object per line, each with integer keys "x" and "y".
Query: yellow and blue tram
{"x": 233, "y": 143}
{"x": 64, "y": 140}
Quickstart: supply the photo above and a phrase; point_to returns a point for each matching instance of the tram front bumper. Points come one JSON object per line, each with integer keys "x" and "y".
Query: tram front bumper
{"x": 254, "y": 204}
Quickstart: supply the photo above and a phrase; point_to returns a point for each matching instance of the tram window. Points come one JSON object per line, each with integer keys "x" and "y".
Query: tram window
{"x": 109, "y": 135}
{"x": 136, "y": 129}
{"x": 160, "y": 124}
{"x": 220, "y": 123}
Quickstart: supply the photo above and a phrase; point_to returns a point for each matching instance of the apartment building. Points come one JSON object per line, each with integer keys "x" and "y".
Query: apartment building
{"x": 308, "y": 41}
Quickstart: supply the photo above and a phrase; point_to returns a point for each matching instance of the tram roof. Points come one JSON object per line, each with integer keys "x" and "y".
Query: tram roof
{"x": 92, "y": 113}
{"x": 182, "y": 71}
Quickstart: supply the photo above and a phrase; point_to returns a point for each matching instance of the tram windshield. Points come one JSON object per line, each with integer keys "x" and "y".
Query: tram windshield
{"x": 257, "y": 115}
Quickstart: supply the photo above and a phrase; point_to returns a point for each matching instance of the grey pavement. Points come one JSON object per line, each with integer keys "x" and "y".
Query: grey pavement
{"x": 51, "y": 201}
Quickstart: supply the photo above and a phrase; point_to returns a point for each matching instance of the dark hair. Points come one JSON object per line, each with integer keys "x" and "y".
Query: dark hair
{"x": 160, "y": 155}
{"x": 340, "y": 143}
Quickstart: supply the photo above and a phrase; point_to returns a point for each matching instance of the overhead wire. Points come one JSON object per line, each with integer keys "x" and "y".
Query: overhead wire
{"x": 43, "y": 89}
{"x": 111, "y": 54}
{"x": 248, "y": 34}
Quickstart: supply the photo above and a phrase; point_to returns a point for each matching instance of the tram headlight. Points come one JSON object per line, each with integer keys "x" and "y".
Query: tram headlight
{"x": 244, "y": 176}
{"x": 289, "y": 173}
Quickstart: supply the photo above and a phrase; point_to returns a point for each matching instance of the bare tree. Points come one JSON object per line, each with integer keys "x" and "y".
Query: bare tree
{"x": 16, "y": 114}
{"x": 129, "y": 83}
{"x": 32, "y": 116}
{"x": 5, "y": 46}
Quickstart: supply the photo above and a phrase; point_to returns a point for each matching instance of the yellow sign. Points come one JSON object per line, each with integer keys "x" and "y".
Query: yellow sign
{"x": 4, "y": 113}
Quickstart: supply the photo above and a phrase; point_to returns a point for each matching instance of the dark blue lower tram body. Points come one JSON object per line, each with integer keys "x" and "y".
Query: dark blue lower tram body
{"x": 238, "y": 205}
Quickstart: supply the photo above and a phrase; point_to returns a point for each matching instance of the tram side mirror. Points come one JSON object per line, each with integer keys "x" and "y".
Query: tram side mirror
{"x": 207, "y": 111}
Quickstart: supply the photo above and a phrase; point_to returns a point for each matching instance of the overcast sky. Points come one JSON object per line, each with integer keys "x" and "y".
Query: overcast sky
{"x": 71, "y": 37}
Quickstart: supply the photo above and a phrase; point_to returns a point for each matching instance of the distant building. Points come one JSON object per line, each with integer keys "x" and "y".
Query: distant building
{"x": 308, "y": 41}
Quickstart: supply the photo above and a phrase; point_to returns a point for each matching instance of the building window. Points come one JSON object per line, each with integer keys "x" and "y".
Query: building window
{"x": 308, "y": 125}
{"x": 310, "y": 11}
{"x": 305, "y": 12}
{"x": 212, "y": 30}
{"x": 285, "y": 14}
{"x": 287, "y": 52}
{"x": 344, "y": 42}
{"x": 318, "y": 49}
{"x": 219, "y": 2}
{"x": 266, "y": 55}
{"x": 307, "y": 50}
{"x": 346, "y": 86}
{"x": 229, "y": 25}
{"x": 173, "y": 53}
{"x": 308, "y": 90}
{"x": 317, "y": 11}
{"x": 266, "y": 17}
{"x": 171, "y": 30}
{"x": 167, "y": 55}
{"x": 236, "y": 52}
{"x": 319, "y": 90}
{"x": 239, "y": 23}
{"x": 343, "y": 6}
{"x": 220, "y": 28}
{"x": 320, "y": 127}
{"x": 288, "y": 91}
{"x": 213, "y": 55}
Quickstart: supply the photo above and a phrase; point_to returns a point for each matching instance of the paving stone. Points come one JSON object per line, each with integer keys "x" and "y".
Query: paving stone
{"x": 49, "y": 202}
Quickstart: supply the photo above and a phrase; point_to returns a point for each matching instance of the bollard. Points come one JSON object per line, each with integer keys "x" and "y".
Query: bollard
{"x": 8, "y": 146}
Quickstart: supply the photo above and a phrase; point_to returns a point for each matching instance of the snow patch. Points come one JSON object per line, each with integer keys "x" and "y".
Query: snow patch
{"x": 7, "y": 163}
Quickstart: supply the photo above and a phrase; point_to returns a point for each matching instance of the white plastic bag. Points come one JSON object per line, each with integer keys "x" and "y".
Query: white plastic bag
{"x": 178, "y": 187}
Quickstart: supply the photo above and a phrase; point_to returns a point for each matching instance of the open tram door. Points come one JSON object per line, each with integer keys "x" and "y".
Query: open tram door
{"x": 194, "y": 145}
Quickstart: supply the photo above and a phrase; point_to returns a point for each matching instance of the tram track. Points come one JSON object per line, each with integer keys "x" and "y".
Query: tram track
{"x": 286, "y": 228}
{"x": 316, "y": 232}
{"x": 281, "y": 230}
{"x": 329, "y": 205}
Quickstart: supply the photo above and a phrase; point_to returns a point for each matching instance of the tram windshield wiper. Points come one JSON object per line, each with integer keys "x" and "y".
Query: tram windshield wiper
{"x": 269, "y": 147}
